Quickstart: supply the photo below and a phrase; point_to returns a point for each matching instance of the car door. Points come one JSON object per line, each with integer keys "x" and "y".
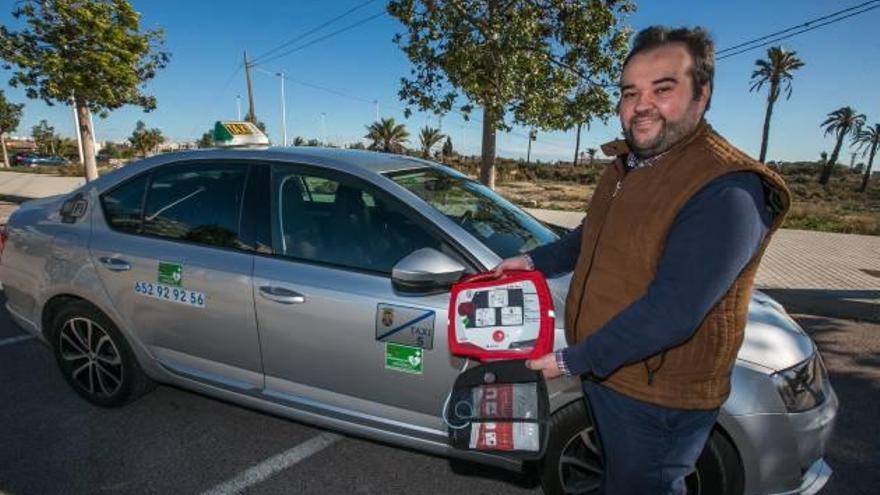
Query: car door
{"x": 169, "y": 253}
{"x": 336, "y": 336}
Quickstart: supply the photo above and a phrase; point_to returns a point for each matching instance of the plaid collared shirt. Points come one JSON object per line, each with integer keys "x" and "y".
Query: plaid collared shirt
{"x": 634, "y": 162}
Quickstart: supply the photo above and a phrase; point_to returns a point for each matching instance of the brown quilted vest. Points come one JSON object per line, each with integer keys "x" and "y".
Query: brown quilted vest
{"x": 628, "y": 220}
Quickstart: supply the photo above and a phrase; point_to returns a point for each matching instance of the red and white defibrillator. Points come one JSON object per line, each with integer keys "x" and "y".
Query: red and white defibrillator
{"x": 505, "y": 317}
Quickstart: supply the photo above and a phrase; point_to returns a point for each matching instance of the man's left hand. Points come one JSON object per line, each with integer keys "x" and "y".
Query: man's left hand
{"x": 546, "y": 364}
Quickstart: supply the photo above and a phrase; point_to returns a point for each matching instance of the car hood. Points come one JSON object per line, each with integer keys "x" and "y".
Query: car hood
{"x": 773, "y": 340}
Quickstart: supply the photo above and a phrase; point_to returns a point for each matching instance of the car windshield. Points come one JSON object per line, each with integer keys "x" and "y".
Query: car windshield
{"x": 498, "y": 223}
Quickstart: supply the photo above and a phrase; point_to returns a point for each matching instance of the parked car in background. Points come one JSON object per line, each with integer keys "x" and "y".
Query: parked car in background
{"x": 34, "y": 160}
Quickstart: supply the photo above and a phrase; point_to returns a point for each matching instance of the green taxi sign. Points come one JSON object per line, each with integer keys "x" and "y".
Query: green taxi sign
{"x": 235, "y": 133}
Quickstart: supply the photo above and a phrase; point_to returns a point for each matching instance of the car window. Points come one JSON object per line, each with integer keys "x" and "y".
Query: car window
{"x": 196, "y": 203}
{"x": 123, "y": 205}
{"x": 341, "y": 221}
{"x": 498, "y": 223}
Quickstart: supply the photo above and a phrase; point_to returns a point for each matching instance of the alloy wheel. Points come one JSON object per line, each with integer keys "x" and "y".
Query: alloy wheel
{"x": 91, "y": 358}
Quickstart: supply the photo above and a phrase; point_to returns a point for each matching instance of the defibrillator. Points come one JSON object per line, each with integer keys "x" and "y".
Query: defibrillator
{"x": 506, "y": 317}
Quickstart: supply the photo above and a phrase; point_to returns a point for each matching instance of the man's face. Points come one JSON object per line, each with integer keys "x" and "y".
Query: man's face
{"x": 657, "y": 106}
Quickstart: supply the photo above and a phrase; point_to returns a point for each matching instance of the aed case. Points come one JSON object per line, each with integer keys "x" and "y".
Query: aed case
{"x": 500, "y": 407}
{"x": 506, "y": 317}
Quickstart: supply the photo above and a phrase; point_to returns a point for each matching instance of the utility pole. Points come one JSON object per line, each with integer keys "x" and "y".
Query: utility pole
{"x": 238, "y": 105}
{"x": 323, "y": 129}
{"x": 283, "y": 110}
{"x": 78, "y": 135}
{"x": 251, "y": 116}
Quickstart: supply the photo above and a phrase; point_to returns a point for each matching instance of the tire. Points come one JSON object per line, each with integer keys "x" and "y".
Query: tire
{"x": 94, "y": 358}
{"x": 573, "y": 461}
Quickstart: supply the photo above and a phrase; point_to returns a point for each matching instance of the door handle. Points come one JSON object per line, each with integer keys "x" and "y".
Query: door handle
{"x": 115, "y": 264}
{"x": 281, "y": 295}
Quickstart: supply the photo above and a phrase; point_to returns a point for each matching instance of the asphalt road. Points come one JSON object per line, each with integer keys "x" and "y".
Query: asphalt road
{"x": 173, "y": 441}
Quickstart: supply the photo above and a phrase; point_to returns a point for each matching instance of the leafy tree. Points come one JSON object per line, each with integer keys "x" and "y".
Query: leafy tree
{"x": 868, "y": 140}
{"x": 447, "y": 150}
{"x": 145, "y": 140}
{"x": 429, "y": 137}
{"x": 842, "y": 122}
{"x": 527, "y": 59}
{"x": 207, "y": 140}
{"x": 387, "y": 135}
{"x": 93, "y": 51}
{"x": 44, "y": 137}
{"x": 10, "y": 117}
{"x": 357, "y": 146}
{"x": 313, "y": 143}
{"x": 777, "y": 72}
{"x": 299, "y": 141}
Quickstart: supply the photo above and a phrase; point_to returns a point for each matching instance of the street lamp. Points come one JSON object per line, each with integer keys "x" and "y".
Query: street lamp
{"x": 283, "y": 104}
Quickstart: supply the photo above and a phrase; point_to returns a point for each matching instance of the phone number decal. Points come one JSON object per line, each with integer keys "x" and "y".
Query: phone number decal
{"x": 172, "y": 294}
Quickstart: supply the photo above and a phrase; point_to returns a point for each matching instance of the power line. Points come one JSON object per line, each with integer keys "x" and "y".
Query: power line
{"x": 312, "y": 31}
{"x": 322, "y": 38}
{"x": 729, "y": 53}
{"x": 806, "y": 24}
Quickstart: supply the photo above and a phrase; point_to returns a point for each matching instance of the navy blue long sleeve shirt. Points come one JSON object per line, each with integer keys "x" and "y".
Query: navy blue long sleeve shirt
{"x": 713, "y": 238}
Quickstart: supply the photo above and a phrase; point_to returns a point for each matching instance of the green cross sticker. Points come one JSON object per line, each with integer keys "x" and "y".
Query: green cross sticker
{"x": 170, "y": 274}
{"x": 403, "y": 358}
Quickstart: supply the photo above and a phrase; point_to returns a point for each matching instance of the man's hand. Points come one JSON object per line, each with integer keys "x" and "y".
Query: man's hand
{"x": 515, "y": 263}
{"x": 546, "y": 364}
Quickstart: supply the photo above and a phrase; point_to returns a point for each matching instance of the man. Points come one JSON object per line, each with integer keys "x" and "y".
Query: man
{"x": 663, "y": 267}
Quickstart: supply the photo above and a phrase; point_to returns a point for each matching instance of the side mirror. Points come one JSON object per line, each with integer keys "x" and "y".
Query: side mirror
{"x": 426, "y": 269}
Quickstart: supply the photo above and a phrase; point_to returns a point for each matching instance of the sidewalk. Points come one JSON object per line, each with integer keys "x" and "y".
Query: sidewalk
{"x": 18, "y": 186}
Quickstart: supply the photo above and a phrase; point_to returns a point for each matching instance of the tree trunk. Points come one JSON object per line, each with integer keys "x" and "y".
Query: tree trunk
{"x": 766, "y": 133}
{"x": 529, "y": 151}
{"x": 867, "y": 176}
{"x": 6, "y": 155}
{"x": 88, "y": 145}
{"x": 577, "y": 145}
{"x": 829, "y": 165}
{"x": 487, "y": 165}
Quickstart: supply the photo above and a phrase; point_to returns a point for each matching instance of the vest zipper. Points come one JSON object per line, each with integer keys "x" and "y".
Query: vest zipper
{"x": 617, "y": 187}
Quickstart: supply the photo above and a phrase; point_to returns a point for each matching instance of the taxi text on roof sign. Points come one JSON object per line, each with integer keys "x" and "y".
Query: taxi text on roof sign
{"x": 233, "y": 133}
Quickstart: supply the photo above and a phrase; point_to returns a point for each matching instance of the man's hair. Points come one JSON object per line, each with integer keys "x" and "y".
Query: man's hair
{"x": 698, "y": 44}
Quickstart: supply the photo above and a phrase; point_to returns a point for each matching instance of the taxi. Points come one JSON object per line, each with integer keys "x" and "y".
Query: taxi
{"x": 314, "y": 283}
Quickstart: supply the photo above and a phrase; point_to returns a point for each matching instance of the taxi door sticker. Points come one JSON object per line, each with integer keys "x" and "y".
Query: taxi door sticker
{"x": 405, "y": 325}
{"x": 170, "y": 287}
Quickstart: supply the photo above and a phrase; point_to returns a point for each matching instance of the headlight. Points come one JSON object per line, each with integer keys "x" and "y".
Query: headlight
{"x": 802, "y": 386}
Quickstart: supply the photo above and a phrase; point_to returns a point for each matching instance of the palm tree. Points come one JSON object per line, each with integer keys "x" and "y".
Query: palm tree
{"x": 387, "y": 135}
{"x": 429, "y": 137}
{"x": 868, "y": 139}
{"x": 591, "y": 152}
{"x": 776, "y": 72}
{"x": 842, "y": 122}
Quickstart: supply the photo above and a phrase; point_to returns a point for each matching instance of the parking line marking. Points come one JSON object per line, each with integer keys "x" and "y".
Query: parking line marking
{"x": 275, "y": 465}
{"x": 13, "y": 340}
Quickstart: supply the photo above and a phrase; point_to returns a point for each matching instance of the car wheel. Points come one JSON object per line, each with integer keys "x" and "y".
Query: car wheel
{"x": 94, "y": 357}
{"x": 573, "y": 461}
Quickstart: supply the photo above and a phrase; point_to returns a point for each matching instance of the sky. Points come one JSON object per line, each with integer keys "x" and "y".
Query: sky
{"x": 331, "y": 86}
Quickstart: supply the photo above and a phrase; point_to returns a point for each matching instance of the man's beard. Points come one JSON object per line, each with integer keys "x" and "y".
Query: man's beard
{"x": 669, "y": 134}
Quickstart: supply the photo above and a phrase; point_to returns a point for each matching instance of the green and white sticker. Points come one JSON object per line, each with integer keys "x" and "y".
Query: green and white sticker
{"x": 403, "y": 358}
{"x": 170, "y": 274}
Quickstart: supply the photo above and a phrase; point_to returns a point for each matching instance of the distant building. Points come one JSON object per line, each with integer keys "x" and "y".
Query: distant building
{"x": 20, "y": 144}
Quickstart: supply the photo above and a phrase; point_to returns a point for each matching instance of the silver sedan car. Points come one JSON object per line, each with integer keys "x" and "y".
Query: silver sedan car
{"x": 314, "y": 284}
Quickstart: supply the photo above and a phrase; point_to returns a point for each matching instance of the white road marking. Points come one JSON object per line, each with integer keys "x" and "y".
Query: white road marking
{"x": 274, "y": 465}
{"x": 13, "y": 340}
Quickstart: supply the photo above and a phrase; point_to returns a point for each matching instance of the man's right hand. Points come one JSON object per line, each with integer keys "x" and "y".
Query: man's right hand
{"x": 520, "y": 262}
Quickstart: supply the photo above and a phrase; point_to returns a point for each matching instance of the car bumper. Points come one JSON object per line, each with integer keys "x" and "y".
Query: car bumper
{"x": 784, "y": 453}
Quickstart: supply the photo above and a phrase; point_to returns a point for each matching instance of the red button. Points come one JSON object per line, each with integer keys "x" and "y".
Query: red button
{"x": 498, "y": 336}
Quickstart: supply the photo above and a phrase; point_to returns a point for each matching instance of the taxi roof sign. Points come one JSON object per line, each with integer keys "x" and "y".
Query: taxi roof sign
{"x": 235, "y": 133}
